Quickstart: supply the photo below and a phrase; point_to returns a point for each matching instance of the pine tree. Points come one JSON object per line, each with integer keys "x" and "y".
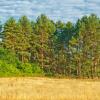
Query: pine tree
{"x": 44, "y": 28}
{"x": 9, "y": 40}
{"x": 24, "y": 37}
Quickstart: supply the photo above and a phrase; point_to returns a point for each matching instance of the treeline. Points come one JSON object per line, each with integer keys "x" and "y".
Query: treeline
{"x": 51, "y": 48}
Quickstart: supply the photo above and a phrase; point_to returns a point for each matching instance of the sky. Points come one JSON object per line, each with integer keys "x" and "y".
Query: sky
{"x": 65, "y": 10}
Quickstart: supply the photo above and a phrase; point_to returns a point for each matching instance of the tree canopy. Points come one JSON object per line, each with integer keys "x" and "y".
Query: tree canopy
{"x": 57, "y": 48}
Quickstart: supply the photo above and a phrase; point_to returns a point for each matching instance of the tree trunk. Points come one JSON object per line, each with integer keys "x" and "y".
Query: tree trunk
{"x": 42, "y": 55}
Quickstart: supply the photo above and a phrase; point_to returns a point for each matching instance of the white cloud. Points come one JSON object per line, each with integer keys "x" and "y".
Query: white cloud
{"x": 56, "y": 9}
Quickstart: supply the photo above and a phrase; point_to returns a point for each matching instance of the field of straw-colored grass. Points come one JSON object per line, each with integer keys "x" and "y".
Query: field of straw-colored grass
{"x": 48, "y": 89}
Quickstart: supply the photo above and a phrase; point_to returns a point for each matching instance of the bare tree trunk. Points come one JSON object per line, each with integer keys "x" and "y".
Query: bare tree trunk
{"x": 42, "y": 55}
{"x": 92, "y": 76}
{"x": 79, "y": 69}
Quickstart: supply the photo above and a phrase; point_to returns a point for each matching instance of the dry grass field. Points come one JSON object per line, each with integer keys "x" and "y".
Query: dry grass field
{"x": 48, "y": 89}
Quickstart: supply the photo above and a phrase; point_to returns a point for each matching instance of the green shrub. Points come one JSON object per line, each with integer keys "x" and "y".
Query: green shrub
{"x": 37, "y": 69}
{"x": 26, "y": 68}
{"x": 7, "y": 69}
{"x": 8, "y": 56}
{"x": 11, "y": 66}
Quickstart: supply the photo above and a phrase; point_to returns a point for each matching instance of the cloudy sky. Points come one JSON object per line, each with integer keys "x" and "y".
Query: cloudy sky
{"x": 56, "y": 9}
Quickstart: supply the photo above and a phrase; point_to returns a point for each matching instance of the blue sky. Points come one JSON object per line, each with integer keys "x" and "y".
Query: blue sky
{"x": 64, "y": 10}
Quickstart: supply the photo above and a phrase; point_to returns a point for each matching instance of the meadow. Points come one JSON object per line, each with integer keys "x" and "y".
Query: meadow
{"x": 37, "y": 88}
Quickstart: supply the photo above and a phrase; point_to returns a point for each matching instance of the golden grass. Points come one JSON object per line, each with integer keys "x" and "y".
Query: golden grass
{"x": 48, "y": 89}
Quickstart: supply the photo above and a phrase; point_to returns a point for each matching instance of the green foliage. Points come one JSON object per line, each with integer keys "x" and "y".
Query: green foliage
{"x": 7, "y": 69}
{"x": 11, "y": 66}
{"x": 26, "y": 68}
{"x": 52, "y": 49}
{"x": 36, "y": 69}
{"x": 8, "y": 56}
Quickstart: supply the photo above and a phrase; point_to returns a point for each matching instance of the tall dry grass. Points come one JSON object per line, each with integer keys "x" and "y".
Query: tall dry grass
{"x": 48, "y": 89}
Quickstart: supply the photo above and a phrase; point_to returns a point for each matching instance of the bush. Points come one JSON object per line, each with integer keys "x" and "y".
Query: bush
{"x": 7, "y": 69}
{"x": 26, "y": 68}
{"x": 8, "y": 56}
{"x": 37, "y": 69}
{"x": 11, "y": 66}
